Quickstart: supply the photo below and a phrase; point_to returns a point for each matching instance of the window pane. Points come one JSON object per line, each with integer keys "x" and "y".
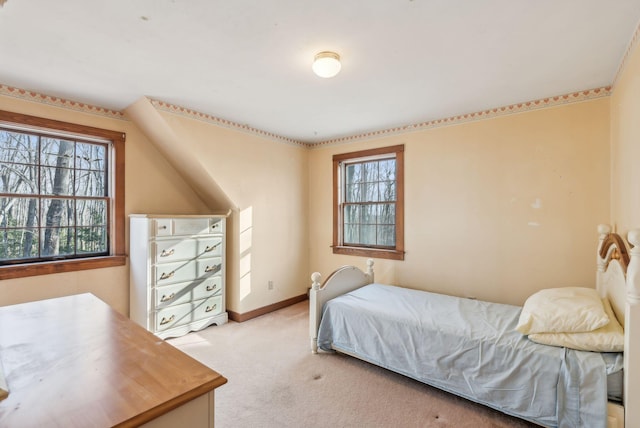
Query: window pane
{"x": 370, "y": 171}
{"x": 92, "y": 239}
{"x": 57, "y": 241}
{"x": 18, "y": 244}
{"x": 387, "y": 236}
{"x": 387, "y": 190}
{"x": 353, "y": 193}
{"x": 90, "y": 156}
{"x": 18, "y": 156}
{"x": 372, "y": 223}
{"x": 387, "y": 214}
{"x": 91, "y": 212}
{"x": 57, "y": 153}
{"x": 352, "y": 214}
{"x": 353, "y": 173}
{"x": 387, "y": 170}
{"x": 351, "y": 234}
{"x": 369, "y": 214}
{"x": 56, "y": 181}
{"x": 34, "y": 228}
{"x": 90, "y": 183}
{"x": 18, "y": 178}
{"x": 368, "y": 235}
{"x": 18, "y": 212}
{"x": 371, "y": 192}
{"x": 17, "y": 147}
{"x": 58, "y": 212}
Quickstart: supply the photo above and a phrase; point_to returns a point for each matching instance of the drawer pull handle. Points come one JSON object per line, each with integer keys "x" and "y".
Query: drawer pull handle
{"x": 167, "y": 275}
{"x": 210, "y": 308}
{"x": 166, "y": 253}
{"x": 209, "y": 249}
{"x": 215, "y": 226}
{"x": 212, "y": 268}
{"x": 163, "y": 227}
{"x": 167, "y": 298}
{"x": 212, "y": 287}
{"x": 167, "y": 321}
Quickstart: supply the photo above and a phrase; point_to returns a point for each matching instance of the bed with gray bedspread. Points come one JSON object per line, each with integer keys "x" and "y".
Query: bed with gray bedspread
{"x": 470, "y": 348}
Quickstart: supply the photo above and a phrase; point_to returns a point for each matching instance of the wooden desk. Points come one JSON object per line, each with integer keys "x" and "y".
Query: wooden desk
{"x": 75, "y": 362}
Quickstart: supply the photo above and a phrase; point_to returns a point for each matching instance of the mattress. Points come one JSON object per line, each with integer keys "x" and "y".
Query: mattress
{"x": 470, "y": 348}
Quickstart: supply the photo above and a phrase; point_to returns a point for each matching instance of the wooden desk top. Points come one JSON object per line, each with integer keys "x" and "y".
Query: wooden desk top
{"x": 75, "y": 362}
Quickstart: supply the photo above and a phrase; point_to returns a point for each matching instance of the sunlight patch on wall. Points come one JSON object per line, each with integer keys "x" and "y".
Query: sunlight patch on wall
{"x": 246, "y": 229}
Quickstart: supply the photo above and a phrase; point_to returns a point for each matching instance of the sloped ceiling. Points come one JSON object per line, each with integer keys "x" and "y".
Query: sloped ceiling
{"x": 248, "y": 61}
{"x": 186, "y": 162}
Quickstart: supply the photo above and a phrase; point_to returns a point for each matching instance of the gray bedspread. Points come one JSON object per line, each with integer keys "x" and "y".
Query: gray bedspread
{"x": 469, "y": 348}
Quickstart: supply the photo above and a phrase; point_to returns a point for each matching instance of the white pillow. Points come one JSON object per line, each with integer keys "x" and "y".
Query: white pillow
{"x": 609, "y": 338}
{"x": 562, "y": 310}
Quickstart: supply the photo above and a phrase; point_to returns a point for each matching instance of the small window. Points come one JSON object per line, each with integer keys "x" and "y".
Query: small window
{"x": 368, "y": 203}
{"x": 61, "y": 195}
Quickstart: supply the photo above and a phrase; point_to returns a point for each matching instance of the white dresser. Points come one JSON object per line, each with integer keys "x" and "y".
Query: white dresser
{"x": 177, "y": 266}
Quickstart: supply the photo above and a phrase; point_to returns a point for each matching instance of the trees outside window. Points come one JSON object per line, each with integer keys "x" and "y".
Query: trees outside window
{"x": 369, "y": 203}
{"x": 61, "y": 196}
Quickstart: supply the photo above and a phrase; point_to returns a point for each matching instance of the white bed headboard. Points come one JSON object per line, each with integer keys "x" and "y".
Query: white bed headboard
{"x": 613, "y": 261}
{"x": 618, "y": 278}
{"x": 343, "y": 280}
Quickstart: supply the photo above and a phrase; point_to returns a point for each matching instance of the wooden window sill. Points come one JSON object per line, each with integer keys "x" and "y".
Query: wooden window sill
{"x": 369, "y": 252}
{"x": 60, "y": 266}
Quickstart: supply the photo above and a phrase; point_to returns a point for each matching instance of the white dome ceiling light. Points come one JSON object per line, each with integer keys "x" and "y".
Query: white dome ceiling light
{"x": 326, "y": 64}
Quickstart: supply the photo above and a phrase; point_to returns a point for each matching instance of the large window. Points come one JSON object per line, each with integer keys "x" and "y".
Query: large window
{"x": 61, "y": 196}
{"x": 369, "y": 203}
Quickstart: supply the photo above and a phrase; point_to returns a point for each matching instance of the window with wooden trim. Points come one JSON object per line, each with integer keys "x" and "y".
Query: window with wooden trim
{"x": 61, "y": 196}
{"x": 368, "y": 203}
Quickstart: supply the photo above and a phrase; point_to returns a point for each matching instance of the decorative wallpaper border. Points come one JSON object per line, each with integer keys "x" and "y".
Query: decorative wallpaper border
{"x": 469, "y": 117}
{"x": 183, "y": 111}
{"x": 193, "y": 114}
{"x": 23, "y": 94}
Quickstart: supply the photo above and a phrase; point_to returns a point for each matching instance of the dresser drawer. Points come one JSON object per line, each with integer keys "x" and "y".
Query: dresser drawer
{"x": 186, "y": 271}
{"x": 208, "y": 267}
{"x": 177, "y": 315}
{"x": 217, "y": 225}
{"x": 185, "y": 249}
{"x": 170, "y": 250}
{"x": 170, "y": 273}
{"x": 185, "y": 292}
{"x": 162, "y": 227}
{"x": 208, "y": 308}
{"x": 191, "y": 226}
{"x": 209, "y": 247}
{"x": 188, "y": 226}
{"x": 173, "y": 316}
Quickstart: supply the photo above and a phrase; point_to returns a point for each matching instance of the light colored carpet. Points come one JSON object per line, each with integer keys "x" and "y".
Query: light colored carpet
{"x": 275, "y": 381}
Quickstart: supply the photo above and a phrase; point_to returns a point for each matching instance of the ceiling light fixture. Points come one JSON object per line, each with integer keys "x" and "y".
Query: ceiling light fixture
{"x": 326, "y": 64}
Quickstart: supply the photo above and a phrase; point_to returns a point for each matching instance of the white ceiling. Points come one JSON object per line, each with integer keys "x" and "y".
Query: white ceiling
{"x": 249, "y": 61}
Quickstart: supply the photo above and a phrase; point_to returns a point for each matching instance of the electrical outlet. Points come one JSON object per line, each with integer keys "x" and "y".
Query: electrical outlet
{"x": 270, "y": 285}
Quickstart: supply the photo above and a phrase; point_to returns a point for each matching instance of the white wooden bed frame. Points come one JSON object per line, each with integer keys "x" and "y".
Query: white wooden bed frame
{"x": 618, "y": 278}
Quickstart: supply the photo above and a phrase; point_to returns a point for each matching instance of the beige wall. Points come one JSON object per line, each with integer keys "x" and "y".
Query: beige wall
{"x": 151, "y": 186}
{"x": 263, "y": 182}
{"x": 266, "y": 181}
{"x": 495, "y": 209}
{"x": 625, "y": 145}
